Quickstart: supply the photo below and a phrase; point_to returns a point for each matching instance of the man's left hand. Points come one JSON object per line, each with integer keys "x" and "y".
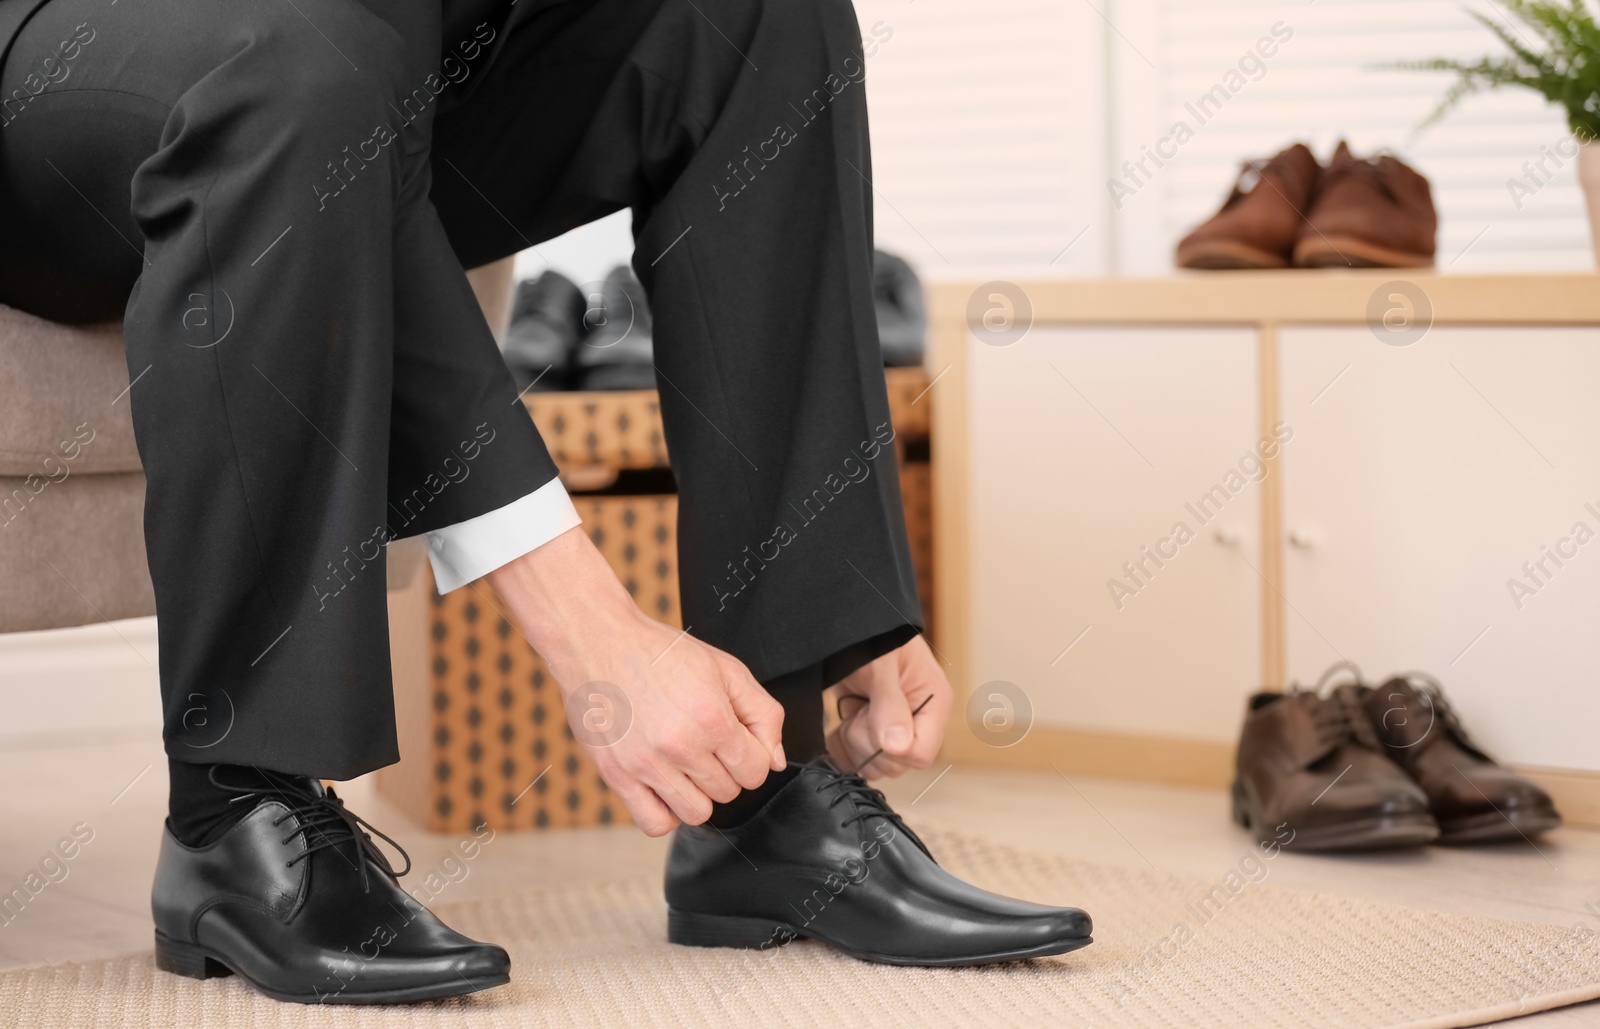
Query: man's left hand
{"x": 892, "y": 687}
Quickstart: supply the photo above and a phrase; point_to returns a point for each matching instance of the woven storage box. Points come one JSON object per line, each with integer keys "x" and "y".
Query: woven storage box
{"x": 916, "y": 495}
{"x": 488, "y": 715}
{"x": 483, "y": 736}
{"x": 600, "y": 430}
{"x": 610, "y": 432}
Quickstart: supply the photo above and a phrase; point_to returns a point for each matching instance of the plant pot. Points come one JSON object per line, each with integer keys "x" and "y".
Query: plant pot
{"x": 1589, "y": 182}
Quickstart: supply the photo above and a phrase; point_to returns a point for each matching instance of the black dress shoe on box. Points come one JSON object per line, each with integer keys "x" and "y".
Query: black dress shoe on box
{"x": 546, "y": 324}
{"x": 902, "y": 315}
{"x": 619, "y": 351}
{"x": 826, "y": 858}
{"x": 299, "y": 902}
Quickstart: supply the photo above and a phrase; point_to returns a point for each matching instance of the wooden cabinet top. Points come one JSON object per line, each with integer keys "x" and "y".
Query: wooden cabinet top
{"x": 1291, "y": 296}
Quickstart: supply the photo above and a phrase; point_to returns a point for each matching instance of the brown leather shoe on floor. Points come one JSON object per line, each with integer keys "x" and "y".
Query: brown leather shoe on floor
{"x": 1473, "y": 799}
{"x": 1312, "y": 775}
{"x": 1369, "y": 213}
{"x": 1258, "y": 225}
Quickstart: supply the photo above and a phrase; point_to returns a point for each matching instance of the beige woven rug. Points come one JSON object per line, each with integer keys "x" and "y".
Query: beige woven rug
{"x": 1169, "y": 951}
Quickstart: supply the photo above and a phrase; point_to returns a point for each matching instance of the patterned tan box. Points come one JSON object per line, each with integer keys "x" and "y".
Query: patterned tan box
{"x": 483, "y": 736}
{"x": 486, "y": 712}
{"x": 909, "y": 405}
{"x": 916, "y": 496}
{"x": 617, "y": 431}
{"x": 600, "y": 430}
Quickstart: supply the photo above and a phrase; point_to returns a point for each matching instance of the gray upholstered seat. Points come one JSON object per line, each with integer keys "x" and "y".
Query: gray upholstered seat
{"x": 71, "y": 486}
{"x": 71, "y": 489}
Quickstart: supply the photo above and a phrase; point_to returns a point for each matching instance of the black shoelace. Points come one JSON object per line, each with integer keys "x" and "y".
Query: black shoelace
{"x": 866, "y": 801}
{"x": 322, "y": 822}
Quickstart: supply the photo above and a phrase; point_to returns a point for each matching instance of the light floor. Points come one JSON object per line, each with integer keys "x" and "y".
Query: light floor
{"x": 117, "y": 786}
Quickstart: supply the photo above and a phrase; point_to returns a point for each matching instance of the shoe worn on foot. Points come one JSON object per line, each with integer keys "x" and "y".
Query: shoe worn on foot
{"x": 1370, "y": 213}
{"x": 1261, "y": 220}
{"x": 826, "y": 858}
{"x": 1474, "y": 800}
{"x": 299, "y": 902}
{"x": 1312, "y": 775}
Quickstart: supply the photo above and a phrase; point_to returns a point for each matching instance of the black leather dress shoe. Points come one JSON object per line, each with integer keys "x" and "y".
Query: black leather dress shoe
{"x": 299, "y": 902}
{"x": 546, "y": 324}
{"x": 619, "y": 351}
{"x": 902, "y": 315}
{"x": 827, "y": 859}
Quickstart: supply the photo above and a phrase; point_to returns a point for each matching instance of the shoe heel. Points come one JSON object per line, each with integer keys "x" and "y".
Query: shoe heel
{"x": 1240, "y": 814}
{"x": 186, "y": 959}
{"x": 692, "y": 930}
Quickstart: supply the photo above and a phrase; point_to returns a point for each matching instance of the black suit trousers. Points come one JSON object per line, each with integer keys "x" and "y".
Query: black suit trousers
{"x": 278, "y": 200}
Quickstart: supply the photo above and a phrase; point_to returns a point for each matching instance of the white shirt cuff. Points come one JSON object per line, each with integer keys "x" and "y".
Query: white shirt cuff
{"x": 469, "y": 550}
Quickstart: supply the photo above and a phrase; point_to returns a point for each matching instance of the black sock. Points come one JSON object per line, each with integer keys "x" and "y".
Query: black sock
{"x": 800, "y": 693}
{"x": 199, "y": 811}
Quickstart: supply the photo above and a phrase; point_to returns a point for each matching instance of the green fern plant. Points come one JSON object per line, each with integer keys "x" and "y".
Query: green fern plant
{"x": 1564, "y": 66}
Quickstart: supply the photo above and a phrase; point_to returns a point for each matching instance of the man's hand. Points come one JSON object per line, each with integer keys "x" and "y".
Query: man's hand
{"x": 893, "y": 687}
{"x": 671, "y": 723}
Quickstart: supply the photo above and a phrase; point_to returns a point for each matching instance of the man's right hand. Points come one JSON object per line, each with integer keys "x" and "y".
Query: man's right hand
{"x": 671, "y": 723}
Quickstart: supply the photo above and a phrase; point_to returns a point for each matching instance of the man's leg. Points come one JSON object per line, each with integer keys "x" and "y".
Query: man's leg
{"x": 736, "y": 131}
{"x": 312, "y": 374}
{"x": 311, "y": 377}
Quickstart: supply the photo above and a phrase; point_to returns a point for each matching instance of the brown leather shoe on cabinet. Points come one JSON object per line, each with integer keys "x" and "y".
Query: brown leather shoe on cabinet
{"x": 1258, "y": 225}
{"x": 1312, "y": 775}
{"x": 1473, "y": 799}
{"x": 1369, "y": 213}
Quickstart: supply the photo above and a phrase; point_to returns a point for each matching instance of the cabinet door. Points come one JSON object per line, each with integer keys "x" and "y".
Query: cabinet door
{"x": 1422, "y": 484}
{"x": 1089, "y": 446}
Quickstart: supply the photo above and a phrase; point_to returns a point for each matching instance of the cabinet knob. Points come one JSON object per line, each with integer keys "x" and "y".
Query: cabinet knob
{"x": 1228, "y": 536}
{"x": 1302, "y": 538}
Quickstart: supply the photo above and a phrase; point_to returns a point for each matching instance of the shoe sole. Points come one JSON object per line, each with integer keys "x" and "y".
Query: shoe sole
{"x": 688, "y": 929}
{"x": 1353, "y": 252}
{"x": 1495, "y": 827}
{"x": 195, "y": 962}
{"x": 1383, "y": 832}
{"x": 1228, "y": 255}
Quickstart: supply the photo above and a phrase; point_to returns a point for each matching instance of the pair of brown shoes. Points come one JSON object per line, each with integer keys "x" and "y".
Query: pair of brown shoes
{"x": 1355, "y": 213}
{"x": 1353, "y": 768}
